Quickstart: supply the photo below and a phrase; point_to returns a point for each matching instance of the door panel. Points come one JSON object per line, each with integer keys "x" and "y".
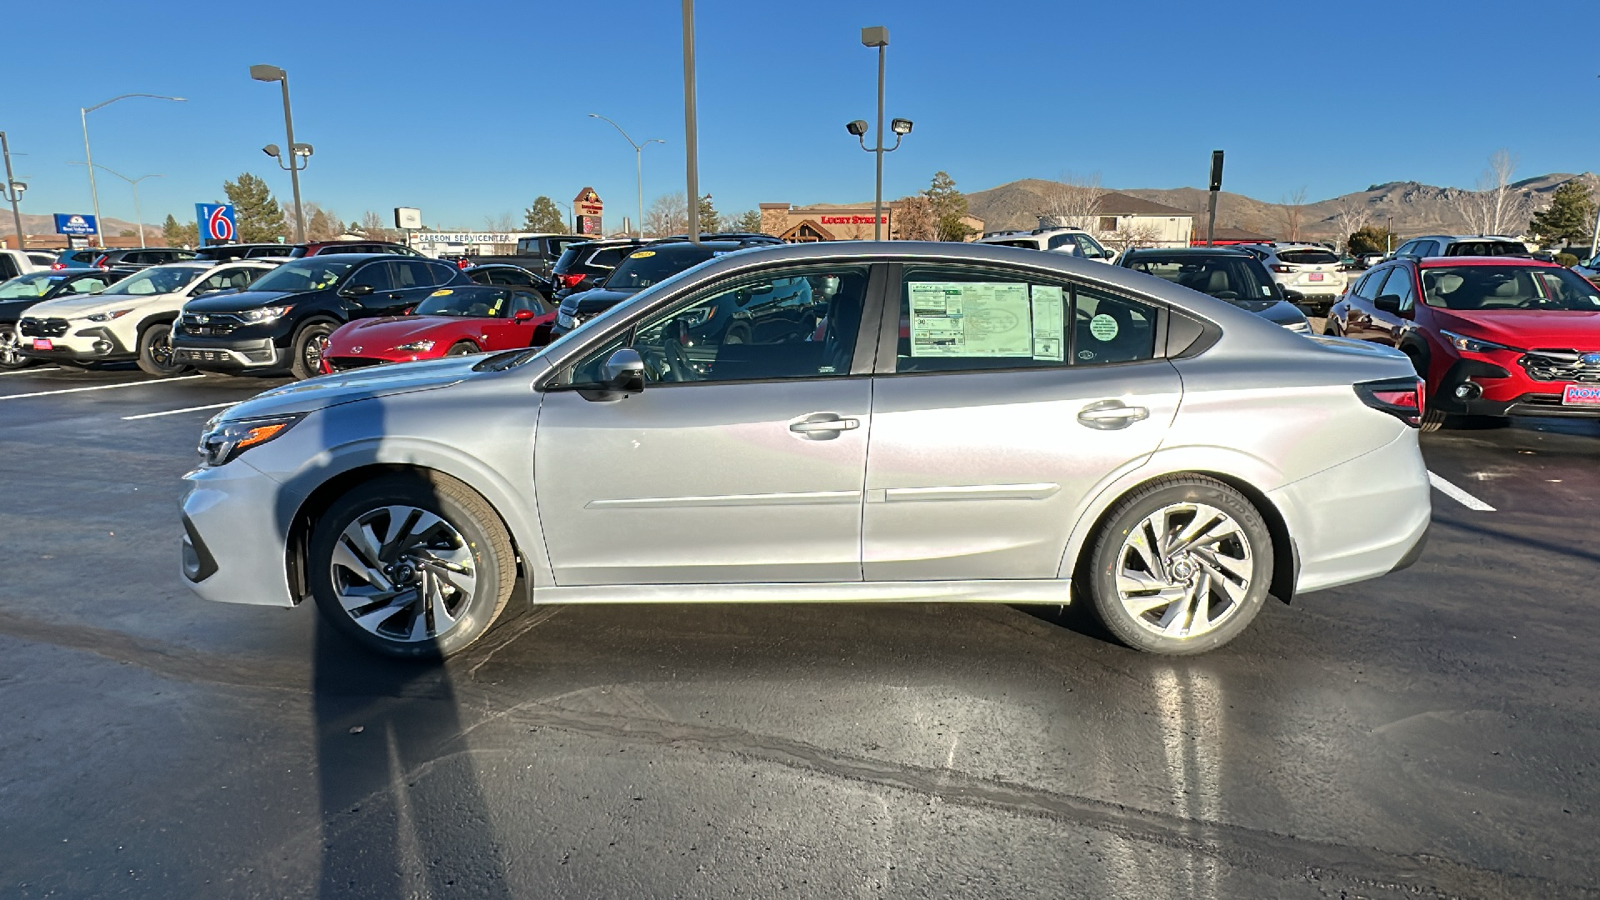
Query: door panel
{"x": 710, "y": 483}
{"x": 974, "y": 475}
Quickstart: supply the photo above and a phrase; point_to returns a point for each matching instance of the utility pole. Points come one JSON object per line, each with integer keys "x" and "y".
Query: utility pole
{"x": 691, "y": 141}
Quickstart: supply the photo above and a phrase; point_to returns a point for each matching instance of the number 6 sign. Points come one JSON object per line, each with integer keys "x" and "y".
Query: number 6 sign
{"x": 216, "y": 222}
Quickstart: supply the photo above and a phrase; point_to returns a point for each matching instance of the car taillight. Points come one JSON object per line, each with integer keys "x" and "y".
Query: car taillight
{"x": 54, "y": 266}
{"x": 463, "y": 263}
{"x": 569, "y": 281}
{"x": 1403, "y": 398}
{"x": 101, "y": 262}
{"x": 1280, "y": 267}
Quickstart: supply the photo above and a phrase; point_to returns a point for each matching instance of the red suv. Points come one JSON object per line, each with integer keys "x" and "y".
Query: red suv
{"x": 1492, "y": 336}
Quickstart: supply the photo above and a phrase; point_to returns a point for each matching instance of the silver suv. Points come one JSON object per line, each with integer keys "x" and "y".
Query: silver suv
{"x": 1071, "y": 241}
{"x": 925, "y": 422}
{"x": 1462, "y": 245}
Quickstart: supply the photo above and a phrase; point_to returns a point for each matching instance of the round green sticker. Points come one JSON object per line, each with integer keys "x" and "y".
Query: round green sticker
{"x": 1103, "y": 327}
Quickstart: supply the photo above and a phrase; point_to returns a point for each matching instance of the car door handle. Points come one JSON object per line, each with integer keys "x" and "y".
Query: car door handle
{"x": 823, "y": 426}
{"x": 1107, "y": 415}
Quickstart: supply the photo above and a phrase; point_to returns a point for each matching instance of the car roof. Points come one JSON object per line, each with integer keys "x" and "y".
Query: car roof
{"x": 1433, "y": 262}
{"x": 1187, "y": 251}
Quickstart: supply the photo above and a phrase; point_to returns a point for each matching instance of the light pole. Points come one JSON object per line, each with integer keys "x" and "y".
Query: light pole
{"x": 691, "y": 128}
{"x": 878, "y": 36}
{"x": 134, "y": 183}
{"x": 299, "y": 154}
{"x": 638, "y": 162}
{"x": 12, "y": 191}
{"x": 83, "y": 114}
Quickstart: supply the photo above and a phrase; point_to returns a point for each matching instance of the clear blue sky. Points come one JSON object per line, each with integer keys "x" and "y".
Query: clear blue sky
{"x": 471, "y": 109}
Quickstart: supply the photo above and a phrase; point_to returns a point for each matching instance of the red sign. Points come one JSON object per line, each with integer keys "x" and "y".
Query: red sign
{"x": 850, "y": 220}
{"x": 589, "y": 225}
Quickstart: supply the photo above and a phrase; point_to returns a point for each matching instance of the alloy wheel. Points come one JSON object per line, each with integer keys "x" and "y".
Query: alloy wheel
{"x": 1184, "y": 570}
{"x": 10, "y": 348}
{"x": 403, "y": 573}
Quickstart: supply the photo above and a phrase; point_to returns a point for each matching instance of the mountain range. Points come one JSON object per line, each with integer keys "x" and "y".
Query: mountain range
{"x": 1408, "y": 207}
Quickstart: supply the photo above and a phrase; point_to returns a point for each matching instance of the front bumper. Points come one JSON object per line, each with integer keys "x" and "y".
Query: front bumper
{"x": 235, "y": 542}
{"x": 226, "y": 355}
{"x": 92, "y": 344}
{"x": 1503, "y": 393}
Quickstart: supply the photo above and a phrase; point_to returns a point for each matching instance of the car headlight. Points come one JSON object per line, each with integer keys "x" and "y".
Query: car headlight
{"x": 1471, "y": 345}
{"x": 264, "y": 313}
{"x": 416, "y": 347}
{"x": 224, "y": 441}
{"x": 108, "y": 316}
{"x": 1300, "y": 327}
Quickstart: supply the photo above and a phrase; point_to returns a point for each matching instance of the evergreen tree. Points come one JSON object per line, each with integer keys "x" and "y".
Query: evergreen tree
{"x": 1372, "y": 239}
{"x": 748, "y": 221}
{"x": 257, "y": 214}
{"x": 949, "y": 208}
{"x": 544, "y": 217}
{"x": 708, "y": 215}
{"x": 1568, "y": 218}
{"x": 177, "y": 235}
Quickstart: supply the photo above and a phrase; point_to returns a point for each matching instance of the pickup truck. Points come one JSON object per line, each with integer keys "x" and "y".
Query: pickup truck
{"x": 16, "y": 262}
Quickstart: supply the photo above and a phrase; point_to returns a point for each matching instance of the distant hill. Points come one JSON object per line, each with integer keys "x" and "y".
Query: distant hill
{"x": 1414, "y": 208}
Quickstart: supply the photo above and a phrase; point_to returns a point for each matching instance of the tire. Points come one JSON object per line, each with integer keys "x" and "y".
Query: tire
{"x": 462, "y": 348}
{"x": 1433, "y": 418}
{"x": 155, "y": 352}
{"x": 305, "y": 360}
{"x": 1329, "y": 329}
{"x": 411, "y": 517}
{"x": 1127, "y": 583}
{"x": 11, "y": 349}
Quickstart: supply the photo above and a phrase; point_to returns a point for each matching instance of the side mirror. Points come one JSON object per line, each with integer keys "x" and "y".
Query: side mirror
{"x": 1388, "y": 303}
{"x": 358, "y": 290}
{"x": 522, "y": 315}
{"x": 624, "y": 371}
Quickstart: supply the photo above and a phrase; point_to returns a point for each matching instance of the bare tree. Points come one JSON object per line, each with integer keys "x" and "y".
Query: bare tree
{"x": 668, "y": 214}
{"x": 1133, "y": 233}
{"x": 1294, "y": 213}
{"x": 913, "y": 219}
{"x": 1072, "y": 202}
{"x": 1495, "y": 207}
{"x": 504, "y": 222}
{"x": 1349, "y": 217}
{"x": 373, "y": 229}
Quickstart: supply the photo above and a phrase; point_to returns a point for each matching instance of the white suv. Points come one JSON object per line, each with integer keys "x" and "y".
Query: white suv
{"x": 131, "y": 319}
{"x": 1310, "y": 273}
{"x": 1071, "y": 241}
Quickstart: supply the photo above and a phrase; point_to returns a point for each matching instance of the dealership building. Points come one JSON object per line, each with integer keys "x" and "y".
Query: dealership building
{"x": 804, "y": 224}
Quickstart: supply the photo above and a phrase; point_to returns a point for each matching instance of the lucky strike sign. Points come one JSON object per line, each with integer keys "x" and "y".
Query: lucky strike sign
{"x": 850, "y": 220}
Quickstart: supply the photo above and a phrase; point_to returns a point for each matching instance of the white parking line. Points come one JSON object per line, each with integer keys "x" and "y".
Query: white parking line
{"x": 173, "y": 412}
{"x": 97, "y": 387}
{"x": 31, "y": 371}
{"x": 1457, "y": 494}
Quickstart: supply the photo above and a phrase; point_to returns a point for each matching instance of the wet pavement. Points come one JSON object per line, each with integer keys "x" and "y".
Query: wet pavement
{"x": 1435, "y": 733}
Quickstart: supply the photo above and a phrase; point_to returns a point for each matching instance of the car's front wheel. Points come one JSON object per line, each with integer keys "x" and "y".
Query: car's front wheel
{"x": 155, "y": 352}
{"x": 462, "y": 348}
{"x": 411, "y": 567}
{"x": 11, "y": 349}
{"x": 308, "y": 346}
{"x": 1180, "y": 566}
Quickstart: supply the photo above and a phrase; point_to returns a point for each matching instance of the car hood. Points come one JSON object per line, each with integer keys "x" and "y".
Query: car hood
{"x": 359, "y": 384}
{"x": 80, "y": 305}
{"x": 240, "y": 301}
{"x": 1526, "y": 329}
{"x": 594, "y": 301}
{"x": 391, "y": 331}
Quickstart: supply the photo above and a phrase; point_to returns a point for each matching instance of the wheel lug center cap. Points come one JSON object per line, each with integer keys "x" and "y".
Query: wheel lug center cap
{"x": 404, "y": 573}
{"x": 1183, "y": 569}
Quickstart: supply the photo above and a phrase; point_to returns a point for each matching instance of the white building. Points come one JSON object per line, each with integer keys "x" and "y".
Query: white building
{"x": 465, "y": 243}
{"x": 1121, "y": 219}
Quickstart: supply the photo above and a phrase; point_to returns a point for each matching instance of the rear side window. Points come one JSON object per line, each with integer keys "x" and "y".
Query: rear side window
{"x": 8, "y": 267}
{"x": 609, "y": 258}
{"x": 1368, "y": 288}
{"x": 1308, "y": 257}
{"x": 959, "y": 320}
{"x": 377, "y": 275}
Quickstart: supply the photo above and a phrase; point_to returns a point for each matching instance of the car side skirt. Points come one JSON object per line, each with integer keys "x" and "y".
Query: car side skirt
{"x": 1045, "y": 590}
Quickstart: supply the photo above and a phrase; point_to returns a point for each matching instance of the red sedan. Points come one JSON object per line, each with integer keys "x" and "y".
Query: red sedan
{"x": 453, "y": 321}
{"x": 1492, "y": 336}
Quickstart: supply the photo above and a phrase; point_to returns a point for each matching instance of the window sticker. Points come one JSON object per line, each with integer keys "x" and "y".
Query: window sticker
{"x": 1103, "y": 327}
{"x": 643, "y": 254}
{"x": 962, "y": 318}
{"x": 1048, "y": 318}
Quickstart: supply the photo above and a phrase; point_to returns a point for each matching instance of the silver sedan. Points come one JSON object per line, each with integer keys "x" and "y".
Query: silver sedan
{"x": 831, "y": 422}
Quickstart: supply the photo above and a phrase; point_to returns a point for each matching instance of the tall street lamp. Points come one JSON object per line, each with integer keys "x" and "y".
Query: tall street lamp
{"x": 134, "y": 183}
{"x": 878, "y": 36}
{"x": 83, "y": 114}
{"x": 299, "y": 154}
{"x": 638, "y": 163}
{"x": 12, "y": 191}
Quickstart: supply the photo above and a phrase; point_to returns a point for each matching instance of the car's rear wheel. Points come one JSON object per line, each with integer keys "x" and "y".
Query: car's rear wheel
{"x": 410, "y": 567}
{"x": 1180, "y": 566}
{"x": 462, "y": 348}
{"x": 155, "y": 352}
{"x": 308, "y": 345}
{"x": 11, "y": 349}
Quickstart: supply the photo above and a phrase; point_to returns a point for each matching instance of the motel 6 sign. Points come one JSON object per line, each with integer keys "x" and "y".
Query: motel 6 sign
{"x": 216, "y": 223}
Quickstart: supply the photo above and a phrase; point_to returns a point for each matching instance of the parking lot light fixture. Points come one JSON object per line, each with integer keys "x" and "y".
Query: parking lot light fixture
{"x": 298, "y": 153}
{"x": 638, "y": 164}
{"x": 83, "y": 116}
{"x": 878, "y": 36}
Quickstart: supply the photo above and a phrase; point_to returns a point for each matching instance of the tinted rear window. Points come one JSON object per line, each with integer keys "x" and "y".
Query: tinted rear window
{"x": 1308, "y": 257}
{"x": 1486, "y": 248}
{"x": 646, "y": 267}
{"x": 565, "y": 262}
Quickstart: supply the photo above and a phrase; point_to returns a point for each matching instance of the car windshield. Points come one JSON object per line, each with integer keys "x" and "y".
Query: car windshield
{"x": 1307, "y": 257}
{"x": 457, "y": 302}
{"x": 310, "y": 274}
{"x": 1232, "y": 278}
{"x": 1508, "y": 287}
{"x": 36, "y": 284}
{"x": 158, "y": 280}
{"x": 646, "y": 267}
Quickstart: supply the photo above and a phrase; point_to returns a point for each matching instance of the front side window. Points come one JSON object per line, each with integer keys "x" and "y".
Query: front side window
{"x": 798, "y": 323}
{"x": 959, "y": 320}
{"x": 1399, "y": 285}
{"x": 1368, "y": 288}
{"x": 475, "y": 302}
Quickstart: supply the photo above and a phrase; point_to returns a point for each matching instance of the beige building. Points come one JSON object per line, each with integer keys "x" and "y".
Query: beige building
{"x": 804, "y": 224}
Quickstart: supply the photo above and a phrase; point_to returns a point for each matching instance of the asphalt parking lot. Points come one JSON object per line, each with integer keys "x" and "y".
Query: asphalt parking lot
{"x": 1435, "y": 733}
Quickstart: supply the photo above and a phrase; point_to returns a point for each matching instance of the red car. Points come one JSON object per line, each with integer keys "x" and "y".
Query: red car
{"x": 452, "y": 321}
{"x": 1492, "y": 336}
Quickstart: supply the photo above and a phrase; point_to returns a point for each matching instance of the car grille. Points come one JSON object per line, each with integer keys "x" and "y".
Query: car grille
{"x": 340, "y": 363}
{"x": 47, "y": 328}
{"x": 1558, "y": 365}
{"x": 210, "y": 324}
